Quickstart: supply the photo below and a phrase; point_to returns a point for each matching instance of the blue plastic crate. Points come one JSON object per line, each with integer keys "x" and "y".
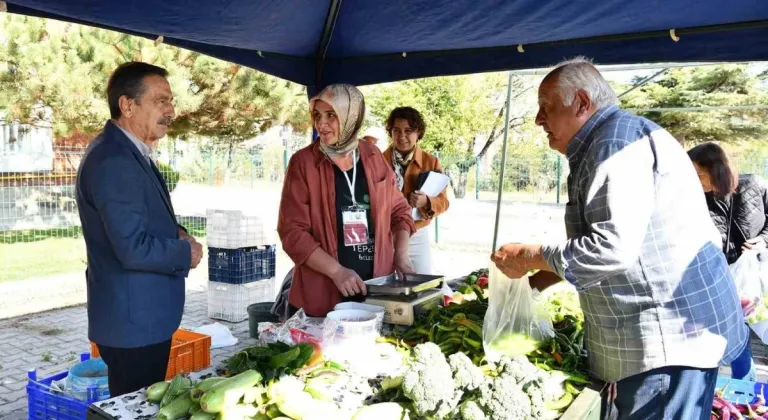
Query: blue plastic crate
{"x": 740, "y": 392}
{"x": 43, "y": 403}
{"x": 241, "y": 266}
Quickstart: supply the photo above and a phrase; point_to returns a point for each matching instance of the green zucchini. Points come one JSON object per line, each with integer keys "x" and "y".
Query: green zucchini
{"x": 203, "y": 416}
{"x": 237, "y": 412}
{"x": 175, "y": 388}
{"x": 156, "y": 391}
{"x": 206, "y": 384}
{"x": 252, "y": 395}
{"x": 229, "y": 391}
{"x": 176, "y": 409}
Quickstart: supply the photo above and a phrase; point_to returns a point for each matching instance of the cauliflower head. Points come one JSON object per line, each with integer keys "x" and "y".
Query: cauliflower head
{"x": 429, "y": 382}
{"x": 466, "y": 375}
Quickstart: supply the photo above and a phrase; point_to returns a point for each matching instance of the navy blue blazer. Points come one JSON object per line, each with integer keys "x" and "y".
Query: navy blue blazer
{"x": 136, "y": 262}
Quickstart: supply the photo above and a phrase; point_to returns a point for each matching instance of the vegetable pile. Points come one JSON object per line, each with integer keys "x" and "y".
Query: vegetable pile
{"x": 248, "y": 395}
{"x": 275, "y": 359}
{"x": 445, "y": 375}
{"x": 459, "y": 328}
{"x": 436, "y": 387}
{"x": 724, "y": 410}
{"x": 475, "y": 286}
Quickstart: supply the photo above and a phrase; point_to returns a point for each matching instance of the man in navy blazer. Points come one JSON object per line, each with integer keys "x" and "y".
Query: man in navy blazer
{"x": 138, "y": 255}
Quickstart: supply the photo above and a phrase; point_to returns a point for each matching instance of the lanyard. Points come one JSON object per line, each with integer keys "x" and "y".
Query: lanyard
{"x": 351, "y": 184}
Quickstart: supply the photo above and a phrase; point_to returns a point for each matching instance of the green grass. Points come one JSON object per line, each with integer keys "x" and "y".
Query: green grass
{"x": 41, "y": 257}
{"x": 50, "y": 252}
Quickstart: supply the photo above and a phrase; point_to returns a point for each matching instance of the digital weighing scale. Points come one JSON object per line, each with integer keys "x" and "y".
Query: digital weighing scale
{"x": 404, "y": 299}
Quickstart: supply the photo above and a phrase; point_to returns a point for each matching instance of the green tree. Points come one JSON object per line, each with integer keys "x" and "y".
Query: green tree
{"x": 460, "y": 112}
{"x": 56, "y": 73}
{"x": 706, "y": 86}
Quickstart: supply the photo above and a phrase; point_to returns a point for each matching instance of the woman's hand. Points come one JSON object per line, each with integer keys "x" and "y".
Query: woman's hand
{"x": 403, "y": 266}
{"x": 754, "y": 243}
{"x": 348, "y": 282}
{"x": 418, "y": 200}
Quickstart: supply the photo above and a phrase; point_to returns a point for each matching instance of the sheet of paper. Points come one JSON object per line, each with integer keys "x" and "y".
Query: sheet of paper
{"x": 433, "y": 186}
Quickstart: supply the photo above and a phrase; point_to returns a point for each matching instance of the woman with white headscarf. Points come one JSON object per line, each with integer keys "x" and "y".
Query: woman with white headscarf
{"x": 342, "y": 218}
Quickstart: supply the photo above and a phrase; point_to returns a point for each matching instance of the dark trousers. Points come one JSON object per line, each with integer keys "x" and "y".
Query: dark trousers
{"x": 673, "y": 393}
{"x": 133, "y": 369}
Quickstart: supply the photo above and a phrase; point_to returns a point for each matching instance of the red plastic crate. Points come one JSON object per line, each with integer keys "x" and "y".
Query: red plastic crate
{"x": 190, "y": 352}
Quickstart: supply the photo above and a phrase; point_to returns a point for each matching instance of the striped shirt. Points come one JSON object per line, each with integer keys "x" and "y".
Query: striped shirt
{"x": 643, "y": 253}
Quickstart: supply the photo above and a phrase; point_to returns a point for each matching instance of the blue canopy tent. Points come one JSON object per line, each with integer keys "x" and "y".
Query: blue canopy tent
{"x": 318, "y": 42}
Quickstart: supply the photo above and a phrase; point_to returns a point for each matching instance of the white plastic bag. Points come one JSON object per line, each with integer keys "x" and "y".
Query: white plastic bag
{"x": 221, "y": 336}
{"x": 517, "y": 322}
{"x": 749, "y": 274}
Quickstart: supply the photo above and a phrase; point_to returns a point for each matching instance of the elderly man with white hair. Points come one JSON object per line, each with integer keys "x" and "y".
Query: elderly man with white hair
{"x": 661, "y": 311}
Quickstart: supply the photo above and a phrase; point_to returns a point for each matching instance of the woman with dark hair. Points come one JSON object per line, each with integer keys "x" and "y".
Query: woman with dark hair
{"x": 342, "y": 218}
{"x": 406, "y": 127}
{"x": 738, "y": 204}
{"x": 739, "y": 207}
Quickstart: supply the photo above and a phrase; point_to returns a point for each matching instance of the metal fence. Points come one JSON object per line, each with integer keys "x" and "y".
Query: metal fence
{"x": 39, "y": 224}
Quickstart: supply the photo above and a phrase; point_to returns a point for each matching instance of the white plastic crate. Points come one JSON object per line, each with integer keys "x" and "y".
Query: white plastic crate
{"x": 232, "y": 229}
{"x": 229, "y": 302}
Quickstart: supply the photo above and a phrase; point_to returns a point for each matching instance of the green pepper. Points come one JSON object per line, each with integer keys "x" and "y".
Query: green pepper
{"x": 571, "y": 389}
{"x": 578, "y": 378}
{"x": 446, "y": 327}
{"x": 475, "y": 344}
{"x": 479, "y": 292}
{"x": 562, "y": 403}
{"x": 472, "y": 326}
{"x": 459, "y": 317}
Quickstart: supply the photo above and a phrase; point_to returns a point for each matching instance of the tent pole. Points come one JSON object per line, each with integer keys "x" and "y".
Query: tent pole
{"x": 503, "y": 162}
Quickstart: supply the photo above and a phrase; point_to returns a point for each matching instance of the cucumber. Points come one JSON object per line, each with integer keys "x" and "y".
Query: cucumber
{"x": 156, "y": 391}
{"x": 229, "y": 391}
{"x": 203, "y": 416}
{"x": 176, "y": 409}
{"x": 198, "y": 391}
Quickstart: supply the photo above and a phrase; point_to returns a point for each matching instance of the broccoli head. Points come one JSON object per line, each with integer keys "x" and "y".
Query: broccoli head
{"x": 466, "y": 375}
{"x": 429, "y": 383}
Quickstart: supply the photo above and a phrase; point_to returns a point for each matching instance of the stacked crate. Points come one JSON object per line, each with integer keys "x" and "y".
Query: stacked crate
{"x": 241, "y": 266}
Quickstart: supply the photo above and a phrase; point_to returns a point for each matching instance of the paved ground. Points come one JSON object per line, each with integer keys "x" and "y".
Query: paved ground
{"x": 46, "y": 341}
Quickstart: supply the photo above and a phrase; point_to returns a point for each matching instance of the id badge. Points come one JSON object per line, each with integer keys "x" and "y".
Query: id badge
{"x": 355, "y": 225}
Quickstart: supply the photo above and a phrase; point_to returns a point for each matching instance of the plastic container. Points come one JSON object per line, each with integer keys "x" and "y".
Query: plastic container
{"x": 740, "y": 392}
{"x": 229, "y": 302}
{"x": 349, "y": 334}
{"x": 259, "y": 312}
{"x": 46, "y": 403}
{"x": 86, "y": 375}
{"x": 190, "y": 352}
{"x": 377, "y": 310}
{"x": 241, "y": 266}
{"x": 232, "y": 229}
